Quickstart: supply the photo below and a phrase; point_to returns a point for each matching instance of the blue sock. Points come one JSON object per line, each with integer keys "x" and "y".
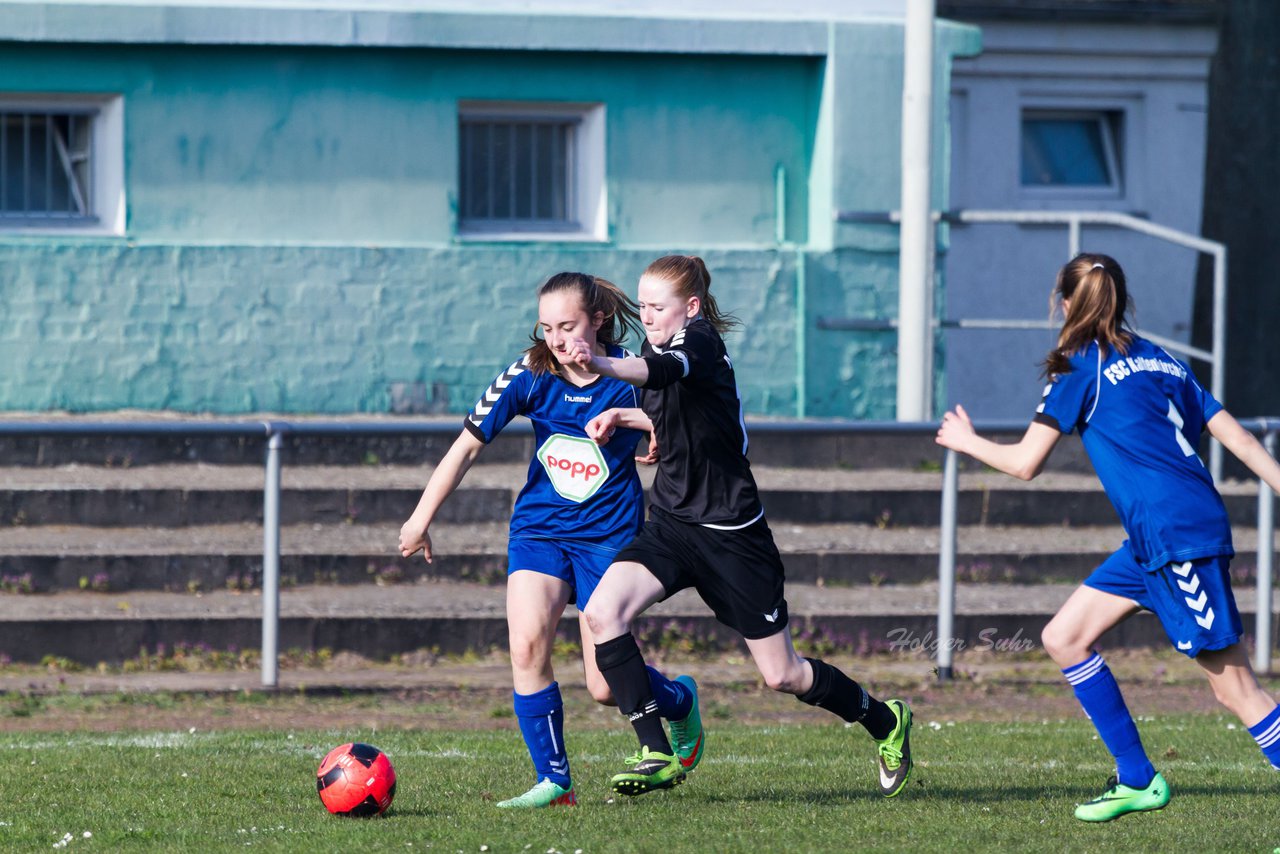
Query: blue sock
{"x": 1098, "y": 693}
{"x": 675, "y": 701}
{"x": 541, "y": 717}
{"x": 1267, "y": 733}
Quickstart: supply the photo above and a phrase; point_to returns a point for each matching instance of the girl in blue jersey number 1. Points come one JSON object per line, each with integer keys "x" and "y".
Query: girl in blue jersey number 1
{"x": 581, "y": 503}
{"x": 1140, "y": 413}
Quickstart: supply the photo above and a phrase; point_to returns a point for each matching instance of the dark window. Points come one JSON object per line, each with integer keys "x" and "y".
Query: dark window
{"x": 1070, "y": 149}
{"x": 45, "y": 166}
{"x": 517, "y": 172}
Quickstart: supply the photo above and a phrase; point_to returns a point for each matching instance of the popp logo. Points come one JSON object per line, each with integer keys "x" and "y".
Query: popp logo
{"x": 574, "y": 464}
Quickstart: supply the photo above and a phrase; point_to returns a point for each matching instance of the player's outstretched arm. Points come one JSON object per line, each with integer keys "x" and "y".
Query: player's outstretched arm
{"x": 414, "y": 536}
{"x": 1239, "y": 441}
{"x": 633, "y": 371}
{"x": 1023, "y": 460}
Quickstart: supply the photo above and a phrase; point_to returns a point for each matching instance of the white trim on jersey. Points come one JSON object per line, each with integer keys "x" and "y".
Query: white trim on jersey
{"x": 742, "y": 418}
{"x": 759, "y": 516}
{"x": 1097, "y": 389}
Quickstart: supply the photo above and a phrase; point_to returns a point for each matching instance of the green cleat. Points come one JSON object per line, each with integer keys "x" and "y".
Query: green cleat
{"x": 895, "y": 751}
{"x": 1119, "y": 800}
{"x": 687, "y": 736}
{"x": 650, "y": 771}
{"x": 544, "y": 794}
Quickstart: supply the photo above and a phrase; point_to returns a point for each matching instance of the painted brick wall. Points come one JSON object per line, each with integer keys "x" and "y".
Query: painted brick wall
{"x": 235, "y": 329}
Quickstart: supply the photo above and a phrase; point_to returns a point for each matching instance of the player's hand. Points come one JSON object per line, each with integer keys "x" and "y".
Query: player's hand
{"x": 580, "y": 353}
{"x": 601, "y": 428}
{"x": 413, "y": 539}
{"x": 956, "y": 429}
{"x": 653, "y": 456}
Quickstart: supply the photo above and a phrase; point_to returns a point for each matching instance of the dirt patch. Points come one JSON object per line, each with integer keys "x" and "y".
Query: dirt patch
{"x": 350, "y": 692}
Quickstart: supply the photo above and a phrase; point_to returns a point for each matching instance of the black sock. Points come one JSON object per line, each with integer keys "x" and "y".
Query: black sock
{"x": 623, "y": 668}
{"x": 840, "y": 695}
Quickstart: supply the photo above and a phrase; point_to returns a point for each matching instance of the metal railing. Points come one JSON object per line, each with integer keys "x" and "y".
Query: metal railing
{"x": 275, "y": 432}
{"x": 1075, "y": 222}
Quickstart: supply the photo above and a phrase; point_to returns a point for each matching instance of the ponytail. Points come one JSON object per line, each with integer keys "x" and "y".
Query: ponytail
{"x": 1095, "y": 286}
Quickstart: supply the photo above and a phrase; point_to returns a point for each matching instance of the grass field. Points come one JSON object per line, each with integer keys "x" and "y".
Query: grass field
{"x": 792, "y": 787}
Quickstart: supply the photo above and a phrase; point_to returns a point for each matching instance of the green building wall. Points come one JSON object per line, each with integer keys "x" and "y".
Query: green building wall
{"x": 291, "y": 242}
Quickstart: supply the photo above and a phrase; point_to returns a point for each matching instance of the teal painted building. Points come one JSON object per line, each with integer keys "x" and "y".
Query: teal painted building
{"x": 265, "y": 207}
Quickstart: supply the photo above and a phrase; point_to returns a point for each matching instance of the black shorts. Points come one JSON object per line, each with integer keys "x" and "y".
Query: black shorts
{"x": 738, "y": 573}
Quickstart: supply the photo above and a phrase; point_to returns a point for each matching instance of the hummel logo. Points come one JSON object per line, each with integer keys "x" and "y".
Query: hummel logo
{"x": 773, "y": 618}
{"x": 1184, "y": 644}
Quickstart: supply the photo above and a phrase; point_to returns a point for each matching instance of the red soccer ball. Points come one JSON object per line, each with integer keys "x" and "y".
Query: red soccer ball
{"x": 356, "y": 780}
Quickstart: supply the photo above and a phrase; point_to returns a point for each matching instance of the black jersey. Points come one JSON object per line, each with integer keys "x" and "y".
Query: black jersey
{"x": 692, "y": 398}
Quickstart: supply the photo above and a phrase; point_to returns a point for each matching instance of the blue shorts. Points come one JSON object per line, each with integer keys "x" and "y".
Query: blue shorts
{"x": 1192, "y": 599}
{"x": 580, "y": 565}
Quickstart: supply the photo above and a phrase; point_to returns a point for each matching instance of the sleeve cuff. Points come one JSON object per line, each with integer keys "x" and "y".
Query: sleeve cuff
{"x": 1048, "y": 421}
{"x": 471, "y": 428}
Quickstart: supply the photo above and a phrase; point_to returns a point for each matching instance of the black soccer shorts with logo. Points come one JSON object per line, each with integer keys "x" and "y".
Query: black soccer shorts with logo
{"x": 738, "y": 573}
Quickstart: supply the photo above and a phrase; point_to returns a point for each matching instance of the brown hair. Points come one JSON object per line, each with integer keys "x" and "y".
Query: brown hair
{"x": 595, "y": 295}
{"x": 1095, "y": 285}
{"x": 688, "y": 275}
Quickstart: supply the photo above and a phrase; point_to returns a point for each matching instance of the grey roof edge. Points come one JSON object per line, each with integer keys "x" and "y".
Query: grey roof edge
{"x": 158, "y": 23}
{"x": 161, "y": 24}
{"x": 1202, "y": 12}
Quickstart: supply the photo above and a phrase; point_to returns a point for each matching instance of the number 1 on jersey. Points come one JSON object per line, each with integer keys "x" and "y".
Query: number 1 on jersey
{"x": 1176, "y": 417}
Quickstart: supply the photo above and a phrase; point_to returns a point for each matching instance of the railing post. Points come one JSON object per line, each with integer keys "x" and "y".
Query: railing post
{"x": 271, "y": 561}
{"x": 1073, "y": 237}
{"x": 1266, "y": 546}
{"x": 947, "y": 566}
{"x": 1218, "y": 373}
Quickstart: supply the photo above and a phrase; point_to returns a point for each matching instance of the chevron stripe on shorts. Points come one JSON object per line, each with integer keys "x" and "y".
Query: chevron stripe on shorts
{"x": 491, "y": 395}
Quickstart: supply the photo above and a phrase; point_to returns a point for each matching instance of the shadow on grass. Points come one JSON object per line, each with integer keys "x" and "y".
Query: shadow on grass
{"x": 918, "y": 789}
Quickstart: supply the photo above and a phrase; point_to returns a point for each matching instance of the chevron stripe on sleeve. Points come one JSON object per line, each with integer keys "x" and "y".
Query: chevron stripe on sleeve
{"x": 484, "y": 406}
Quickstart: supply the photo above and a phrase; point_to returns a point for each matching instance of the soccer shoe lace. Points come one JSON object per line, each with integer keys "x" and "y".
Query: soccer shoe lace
{"x": 1120, "y": 799}
{"x": 544, "y": 794}
{"x": 649, "y": 771}
{"x": 894, "y": 751}
{"x": 687, "y": 736}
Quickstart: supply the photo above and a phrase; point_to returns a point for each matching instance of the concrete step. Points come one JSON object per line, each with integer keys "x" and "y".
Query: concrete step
{"x": 453, "y": 618}
{"x": 177, "y": 495}
{"x": 213, "y": 557}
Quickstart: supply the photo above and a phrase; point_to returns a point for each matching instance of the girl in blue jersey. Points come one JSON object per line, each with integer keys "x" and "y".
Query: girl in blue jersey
{"x": 581, "y": 503}
{"x": 1140, "y": 413}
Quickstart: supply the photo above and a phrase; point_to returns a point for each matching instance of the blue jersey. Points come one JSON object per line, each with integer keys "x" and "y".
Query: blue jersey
{"x": 576, "y": 489}
{"x": 1140, "y": 416}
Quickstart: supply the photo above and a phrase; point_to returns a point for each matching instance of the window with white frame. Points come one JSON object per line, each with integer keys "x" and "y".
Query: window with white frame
{"x": 527, "y": 170}
{"x": 61, "y": 162}
{"x": 1072, "y": 151}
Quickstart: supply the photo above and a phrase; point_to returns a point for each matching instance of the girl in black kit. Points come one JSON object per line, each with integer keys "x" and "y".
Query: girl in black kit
{"x": 706, "y": 530}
